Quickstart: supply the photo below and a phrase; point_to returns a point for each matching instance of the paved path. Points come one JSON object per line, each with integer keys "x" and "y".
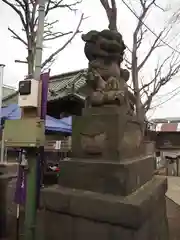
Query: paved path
{"x": 173, "y": 207}
{"x": 173, "y": 192}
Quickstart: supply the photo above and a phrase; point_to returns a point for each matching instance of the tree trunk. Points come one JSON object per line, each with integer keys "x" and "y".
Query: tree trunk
{"x": 30, "y": 57}
{"x": 139, "y": 107}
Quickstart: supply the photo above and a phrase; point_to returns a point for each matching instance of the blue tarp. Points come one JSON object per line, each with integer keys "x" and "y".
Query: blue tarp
{"x": 67, "y": 121}
{"x": 13, "y": 112}
{"x": 53, "y": 124}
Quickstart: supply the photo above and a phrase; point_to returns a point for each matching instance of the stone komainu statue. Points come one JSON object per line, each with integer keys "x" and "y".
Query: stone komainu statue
{"x": 106, "y": 79}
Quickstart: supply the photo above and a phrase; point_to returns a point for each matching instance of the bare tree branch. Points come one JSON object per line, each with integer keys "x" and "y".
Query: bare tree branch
{"x": 157, "y": 71}
{"x": 175, "y": 17}
{"x": 16, "y": 36}
{"x": 172, "y": 63}
{"x": 158, "y": 6}
{"x": 52, "y": 36}
{"x": 136, "y": 44}
{"x": 140, "y": 38}
{"x": 58, "y": 4}
{"x": 153, "y": 47}
{"x": 33, "y": 15}
{"x": 111, "y": 13}
{"x": 156, "y": 44}
{"x": 51, "y": 57}
{"x": 19, "y": 13}
{"x": 164, "y": 71}
{"x": 27, "y": 10}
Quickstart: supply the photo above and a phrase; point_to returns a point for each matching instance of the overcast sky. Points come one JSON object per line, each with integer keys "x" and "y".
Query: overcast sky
{"x": 72, "y": 58}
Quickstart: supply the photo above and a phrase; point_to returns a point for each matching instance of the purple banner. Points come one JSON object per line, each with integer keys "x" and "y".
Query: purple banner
{"x": 45, "y": 82}
{"x": 20, "y": 192}
{"x": 40, "y": 159}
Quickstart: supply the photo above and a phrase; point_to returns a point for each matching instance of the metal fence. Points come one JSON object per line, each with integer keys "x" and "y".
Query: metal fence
{"x": 55, "y": 150}
{"x": 167, "y": 164}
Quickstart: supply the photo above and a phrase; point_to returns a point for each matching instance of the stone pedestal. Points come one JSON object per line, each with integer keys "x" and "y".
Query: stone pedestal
{"x": 73, "y": 214}
{"x": 107, "y": 190}
{"x": 106, "y": 177}
{"x": 106, "y": 133}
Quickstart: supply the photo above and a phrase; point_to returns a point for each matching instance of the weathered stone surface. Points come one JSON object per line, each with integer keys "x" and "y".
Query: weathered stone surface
{"x": 106, "y": 133}
{"x": 56, "y": 226}
{"x": 105, "y": 177}
{"x": 130, "y": 211}
{"x": 88, "y": 215}
{"x": 105, "y": 51}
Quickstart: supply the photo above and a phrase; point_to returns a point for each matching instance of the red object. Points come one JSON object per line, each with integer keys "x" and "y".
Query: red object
{"x": 57, "y": 169}
{"x": 168, "y": 127}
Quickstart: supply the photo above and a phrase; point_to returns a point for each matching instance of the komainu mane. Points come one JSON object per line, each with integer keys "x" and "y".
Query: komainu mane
{"x": 106, "y": 79}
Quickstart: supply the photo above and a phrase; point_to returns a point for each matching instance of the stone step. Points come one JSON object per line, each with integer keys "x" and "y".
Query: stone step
{"x": 106, "y": 177}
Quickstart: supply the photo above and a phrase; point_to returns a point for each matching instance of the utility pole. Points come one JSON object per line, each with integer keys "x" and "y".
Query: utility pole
{"x": 31, "y": 197}
{"x": 1, "y": 96}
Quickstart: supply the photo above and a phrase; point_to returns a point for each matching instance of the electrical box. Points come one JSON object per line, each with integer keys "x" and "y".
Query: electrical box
{"x": 28, "y": 132}
{"x": 28, "y": 93}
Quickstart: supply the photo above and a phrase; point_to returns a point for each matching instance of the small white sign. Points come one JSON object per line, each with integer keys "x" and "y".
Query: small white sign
{"x": 58, "y": 145}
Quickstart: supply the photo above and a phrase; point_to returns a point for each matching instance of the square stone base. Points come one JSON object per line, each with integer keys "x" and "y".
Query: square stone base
{"x": 106, "y": 177}
{"x": 71, "y": 214}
